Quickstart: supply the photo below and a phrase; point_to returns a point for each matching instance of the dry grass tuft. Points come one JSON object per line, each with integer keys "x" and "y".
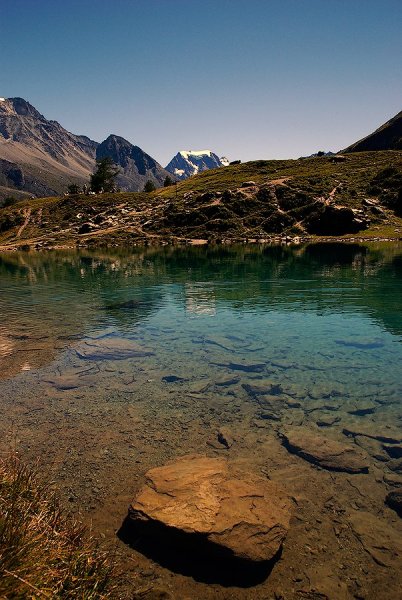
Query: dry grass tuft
{"x": 44, "y": 554}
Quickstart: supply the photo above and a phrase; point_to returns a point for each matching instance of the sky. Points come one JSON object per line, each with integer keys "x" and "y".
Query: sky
{"x": 248, "y": 79}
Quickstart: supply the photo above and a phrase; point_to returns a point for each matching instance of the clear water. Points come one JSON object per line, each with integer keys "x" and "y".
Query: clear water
{"x": 322, "y": 322}
{"x": 321, "y": 315}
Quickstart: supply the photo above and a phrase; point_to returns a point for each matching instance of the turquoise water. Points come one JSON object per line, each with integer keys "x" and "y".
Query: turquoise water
{"x": 332, "y": 313}
{"x": 112, "y": 362}
{"x": 323, "y": 321}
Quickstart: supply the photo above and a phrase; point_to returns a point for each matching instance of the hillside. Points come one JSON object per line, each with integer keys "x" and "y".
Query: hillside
{"x": 47, "y": 156}
{"x": 262, "y": 200}
{"x": 387, "y": 137}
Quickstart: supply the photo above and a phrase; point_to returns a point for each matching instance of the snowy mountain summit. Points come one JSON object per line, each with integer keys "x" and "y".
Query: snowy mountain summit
{"x": 190, "y": 162}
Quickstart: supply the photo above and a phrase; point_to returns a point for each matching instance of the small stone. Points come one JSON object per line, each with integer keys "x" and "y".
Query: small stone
{"x": 225, "y": 437}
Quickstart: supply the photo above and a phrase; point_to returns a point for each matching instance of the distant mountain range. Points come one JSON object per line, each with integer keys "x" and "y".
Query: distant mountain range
{"x": 386, "y": 137}
{"x": 191, "y": 162}
{"x": 38, "y": 157}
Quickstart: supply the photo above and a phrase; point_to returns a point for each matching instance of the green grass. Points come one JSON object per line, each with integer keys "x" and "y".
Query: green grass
{"x": 43, "y": 553}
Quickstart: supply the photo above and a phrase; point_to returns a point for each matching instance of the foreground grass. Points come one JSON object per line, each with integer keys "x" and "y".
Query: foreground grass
{"x": 44, "y": 554}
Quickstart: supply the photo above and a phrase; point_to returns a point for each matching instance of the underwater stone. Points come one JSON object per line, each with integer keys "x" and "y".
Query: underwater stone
{"x": 323, "y": 451}
{"x": 212, "y": 501}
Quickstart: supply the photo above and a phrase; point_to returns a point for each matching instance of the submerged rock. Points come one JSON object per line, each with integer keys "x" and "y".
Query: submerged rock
{"x": 374, "y": 430}
{"x": 324, "y": 452}
{"x": 260, "y": 388}
{"x": 211, "y": 501}
{"x": 380, "y": 541}
{"x": 394, "y": 500}
{"x": 111, "y": 348}
{"x": 225, "y": 437}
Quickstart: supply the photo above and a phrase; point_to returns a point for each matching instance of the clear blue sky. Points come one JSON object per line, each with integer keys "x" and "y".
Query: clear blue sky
{"x": 248, "y": 79}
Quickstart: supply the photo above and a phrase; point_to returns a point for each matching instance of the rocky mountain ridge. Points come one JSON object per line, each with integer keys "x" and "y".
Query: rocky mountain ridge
{"x": 38, "y": 157}
{"x": 136, "y": 167}
{"x": 387, "y": 137}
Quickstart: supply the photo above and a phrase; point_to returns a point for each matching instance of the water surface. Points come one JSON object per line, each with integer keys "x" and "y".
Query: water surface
{"x": 321, "y": 321}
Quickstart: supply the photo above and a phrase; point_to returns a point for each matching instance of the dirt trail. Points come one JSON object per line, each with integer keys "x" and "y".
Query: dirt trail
{"x": 27, "y": 214}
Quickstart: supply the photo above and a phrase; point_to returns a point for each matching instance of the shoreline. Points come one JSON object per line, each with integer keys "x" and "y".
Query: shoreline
{"x": 32, "y": 245}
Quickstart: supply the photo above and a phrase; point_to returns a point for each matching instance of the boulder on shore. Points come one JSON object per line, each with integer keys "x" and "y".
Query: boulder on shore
{"x": 212, "y": 501}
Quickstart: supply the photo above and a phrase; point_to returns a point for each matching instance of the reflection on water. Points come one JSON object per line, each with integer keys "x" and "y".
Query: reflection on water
{"x": 302, "y": 293}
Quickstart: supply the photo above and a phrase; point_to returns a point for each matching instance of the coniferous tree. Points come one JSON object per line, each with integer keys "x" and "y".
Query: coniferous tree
{"x": 149, "y": 186}
{"x": 103, "y": 179}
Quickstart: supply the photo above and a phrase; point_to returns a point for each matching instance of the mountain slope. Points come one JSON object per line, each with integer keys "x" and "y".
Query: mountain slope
{"x": 136, "y": 166}
{"x": 386, "y": 137}
{"x": 39, "y": 157}
{"x": 48, "y": 155}
{"x": 187, "y": 163}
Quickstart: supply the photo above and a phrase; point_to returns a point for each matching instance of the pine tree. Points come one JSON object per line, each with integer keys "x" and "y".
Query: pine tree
{"x": 149, "y": 186}
{"x": 104, "y": 176}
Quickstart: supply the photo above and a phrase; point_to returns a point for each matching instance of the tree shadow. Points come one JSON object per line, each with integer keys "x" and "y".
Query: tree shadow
{"x": 193, "y": 555}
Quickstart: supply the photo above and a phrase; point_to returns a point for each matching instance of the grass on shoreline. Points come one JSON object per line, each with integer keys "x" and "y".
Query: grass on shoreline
{"x": 44, "y": 553}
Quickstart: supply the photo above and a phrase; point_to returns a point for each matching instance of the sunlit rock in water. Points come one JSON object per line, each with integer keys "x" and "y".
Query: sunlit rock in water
{"x": 209, "y": 499}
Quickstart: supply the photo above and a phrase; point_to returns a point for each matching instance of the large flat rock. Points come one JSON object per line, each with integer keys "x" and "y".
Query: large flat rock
{"x": 210, "y": 500}
{"x": 324, "y": 451}
{"x": 111, "y": 348}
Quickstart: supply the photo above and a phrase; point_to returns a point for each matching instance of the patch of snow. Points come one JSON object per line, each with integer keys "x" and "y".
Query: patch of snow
{"x": 224, "y": 161}
{"x": 2, "y": 99}
{"x": 179, "y": 172}
{"x": 187, "y": 153}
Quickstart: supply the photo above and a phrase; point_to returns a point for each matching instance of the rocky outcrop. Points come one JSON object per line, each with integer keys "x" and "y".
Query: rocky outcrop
{"x": 323, "y": 451}
{"x": 211, "y": 501}
{"x": 336, "y": 220}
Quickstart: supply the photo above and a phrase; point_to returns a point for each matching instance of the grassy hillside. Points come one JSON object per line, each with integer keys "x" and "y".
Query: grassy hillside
{"x": 295, "y": 198}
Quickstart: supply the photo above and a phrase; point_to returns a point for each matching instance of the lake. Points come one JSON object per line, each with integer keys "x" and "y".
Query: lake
{"x": 116, "y": 361}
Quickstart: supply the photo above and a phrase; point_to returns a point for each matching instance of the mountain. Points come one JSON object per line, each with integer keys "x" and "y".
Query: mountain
{"x": 46, "y": 155}
{"x": 136, "y": 166}
{"x": 187, "y": 163}
{"x": 38, "y": 157}
{"x": 386, "y": 137}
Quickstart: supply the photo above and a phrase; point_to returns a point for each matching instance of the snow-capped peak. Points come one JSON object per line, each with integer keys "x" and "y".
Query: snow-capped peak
{"x": 190, "y": 162}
